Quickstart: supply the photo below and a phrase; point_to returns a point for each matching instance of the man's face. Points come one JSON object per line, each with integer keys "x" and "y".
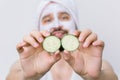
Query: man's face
{"x": 56, "y": 16}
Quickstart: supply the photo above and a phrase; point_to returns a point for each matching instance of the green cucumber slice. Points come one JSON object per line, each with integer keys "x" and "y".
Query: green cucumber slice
{"x": 70, "y": 42}
{"x": 51, "y": 44}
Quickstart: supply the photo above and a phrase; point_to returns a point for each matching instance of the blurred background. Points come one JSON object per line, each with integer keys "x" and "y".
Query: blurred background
{"x": 17, "y": 18}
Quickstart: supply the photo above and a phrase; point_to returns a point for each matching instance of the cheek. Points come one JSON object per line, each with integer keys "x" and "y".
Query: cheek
{"x": 46, "y": 27}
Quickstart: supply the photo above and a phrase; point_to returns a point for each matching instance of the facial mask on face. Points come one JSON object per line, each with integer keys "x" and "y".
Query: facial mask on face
{"x": 54, "y": 9}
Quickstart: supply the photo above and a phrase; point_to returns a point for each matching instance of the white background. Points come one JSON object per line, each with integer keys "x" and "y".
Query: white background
{"x": 17, "y": 19}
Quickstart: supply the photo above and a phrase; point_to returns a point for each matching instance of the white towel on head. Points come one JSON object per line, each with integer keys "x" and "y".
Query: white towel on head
{"x": 69, "y": 4}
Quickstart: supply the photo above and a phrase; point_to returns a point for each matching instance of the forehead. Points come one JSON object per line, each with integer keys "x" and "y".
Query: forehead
{"x": 53, "y": 8}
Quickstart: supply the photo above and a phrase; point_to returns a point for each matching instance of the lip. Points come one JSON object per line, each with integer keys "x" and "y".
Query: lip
{"x": 59, "y": 34}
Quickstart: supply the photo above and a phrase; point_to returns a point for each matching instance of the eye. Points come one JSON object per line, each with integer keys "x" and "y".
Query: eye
{"x": 47, "y": 20}
{"x": 64, "y": 17}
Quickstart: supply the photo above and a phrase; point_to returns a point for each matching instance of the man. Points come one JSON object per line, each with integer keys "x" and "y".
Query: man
{"x": 59, "y": 17}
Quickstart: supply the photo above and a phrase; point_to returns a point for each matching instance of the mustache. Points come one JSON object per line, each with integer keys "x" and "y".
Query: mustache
{"x": 58, "y": 29}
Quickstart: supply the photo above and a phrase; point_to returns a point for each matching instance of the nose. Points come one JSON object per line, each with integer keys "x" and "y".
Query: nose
{"x": 57, "y": 24}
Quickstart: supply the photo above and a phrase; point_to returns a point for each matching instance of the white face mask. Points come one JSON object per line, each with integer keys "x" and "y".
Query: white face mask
{"x": 54, "y": 10}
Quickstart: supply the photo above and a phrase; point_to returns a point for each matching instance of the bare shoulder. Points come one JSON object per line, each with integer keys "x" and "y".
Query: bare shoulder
{"x": 106, "y": 65}
{"x": 14, "y": 71}
{"x": 16, "y": 66}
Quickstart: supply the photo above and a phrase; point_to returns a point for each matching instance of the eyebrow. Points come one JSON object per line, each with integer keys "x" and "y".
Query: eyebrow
{"x": 46, "y": 16}
{"x": 63, "y": 13}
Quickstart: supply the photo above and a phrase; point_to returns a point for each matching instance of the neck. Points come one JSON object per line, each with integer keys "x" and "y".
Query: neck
{"x": 62, "y": 64}
{"x": 61, "y": 70}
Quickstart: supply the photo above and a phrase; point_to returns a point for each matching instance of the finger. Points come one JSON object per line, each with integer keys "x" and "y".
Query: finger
{"x": 84, "y": 34}
{"x": 55, "y": 57}
{"x": 76, "y": 33}
{"x": 53, "y": 53}
{"x": 91, "y": 38}
{"x": 36, "y": 34}
{"x": 57, "y": 52}
{"x": 45, "y": 33}
{"x": 20, "y": 45}
{"x": 30, "y": 40}
{"x": 99, "y": 43}
{"x": 67, "y": 56}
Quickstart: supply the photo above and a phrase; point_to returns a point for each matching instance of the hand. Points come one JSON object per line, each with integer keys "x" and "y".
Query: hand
{"x": 34, "y": 59}
{"x": 87, "y": 59}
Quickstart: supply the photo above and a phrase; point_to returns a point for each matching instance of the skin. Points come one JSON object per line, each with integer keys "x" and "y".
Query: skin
{"x": 55, "y": 15}
{"x": 86, "y": 61}
{"x": 63, "y": 16}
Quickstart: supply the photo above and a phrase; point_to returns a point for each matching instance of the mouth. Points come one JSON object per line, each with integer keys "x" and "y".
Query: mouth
{"x": 59, "y": 33}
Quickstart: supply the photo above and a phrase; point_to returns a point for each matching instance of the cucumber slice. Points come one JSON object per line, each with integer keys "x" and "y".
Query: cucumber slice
{"x": 51, "y": 44}
{"x": 70, "y": 42}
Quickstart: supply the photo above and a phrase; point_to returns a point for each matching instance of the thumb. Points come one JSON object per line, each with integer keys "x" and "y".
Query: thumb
{"x": 68, "y": 58}
{"x": 55, "y": 57}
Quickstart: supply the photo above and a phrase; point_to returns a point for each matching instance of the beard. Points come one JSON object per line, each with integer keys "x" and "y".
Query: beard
{"x": 58, "y": 32}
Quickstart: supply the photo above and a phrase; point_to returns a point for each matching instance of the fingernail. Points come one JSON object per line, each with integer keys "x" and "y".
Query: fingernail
{"x": 40, "y": 40}
{"x": 74, "y": 33}
{"x": 85, "y": 44}
{"x": 94, "y": 44}
{"x": 66, "y": 52}
{"x": 47, "y": 34}
{"x": 35, "y": 45}
{"x": 23, "y": 43}
{"x": 81, "y": 39}
{"x": 57, "y": 52}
